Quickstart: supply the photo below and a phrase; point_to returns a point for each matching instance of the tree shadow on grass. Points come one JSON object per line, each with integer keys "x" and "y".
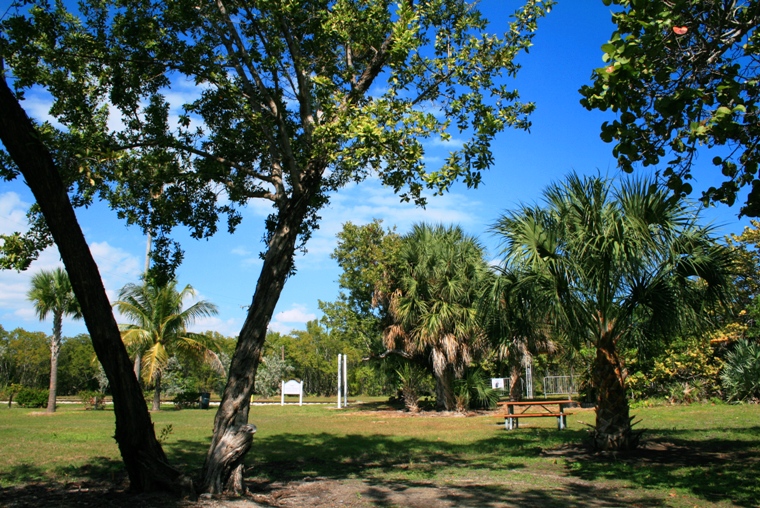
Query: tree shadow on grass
{"x": 287, "y": 457}
{"x": 505, "y": 494}
{"x": 712, "y": 469}
{"x": 391, "y": 468}
{"x": 84, "y": 494}
{"x": 187, "y": 455}
{"x": 97, "y": 469}
{"x": 99, "y": 483}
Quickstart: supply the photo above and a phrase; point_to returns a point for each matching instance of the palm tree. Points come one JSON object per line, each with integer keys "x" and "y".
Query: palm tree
{"x": 434, "y": 308}
{"x": 51, "y": 293}
{"x": 610, "y": 266}
{"x": 159, "y": 327}
{"x": 517, "y": 329}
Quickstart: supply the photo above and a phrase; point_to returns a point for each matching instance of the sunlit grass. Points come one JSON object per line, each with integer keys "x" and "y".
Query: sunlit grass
{"x": 694, "y": 455}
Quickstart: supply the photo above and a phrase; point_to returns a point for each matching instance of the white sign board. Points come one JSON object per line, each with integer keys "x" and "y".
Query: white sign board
{"x": 292, "y": 387}
{"x": 497, "y": 383}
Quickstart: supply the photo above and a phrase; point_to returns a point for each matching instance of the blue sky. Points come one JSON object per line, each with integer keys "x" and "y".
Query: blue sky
{"x": 564, "y": 138}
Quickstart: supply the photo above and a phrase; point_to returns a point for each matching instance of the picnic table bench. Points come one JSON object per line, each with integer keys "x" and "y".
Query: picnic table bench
{"x": 535, "y": 409}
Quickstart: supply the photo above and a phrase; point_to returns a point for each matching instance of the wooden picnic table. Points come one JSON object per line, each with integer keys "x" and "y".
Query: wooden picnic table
{"x": 535, "y": 409}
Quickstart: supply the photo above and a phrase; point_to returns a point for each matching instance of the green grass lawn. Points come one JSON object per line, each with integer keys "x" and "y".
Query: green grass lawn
{"x": 699, "y": 455}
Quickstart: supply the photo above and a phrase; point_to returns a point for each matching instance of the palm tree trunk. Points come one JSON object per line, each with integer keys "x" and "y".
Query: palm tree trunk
{"x": 613, "y": 422}
{"x": 138, "y": 367}
{"x": 515, "y": 389}
{"x": 55, "y": 349}
{"x": 233, "y": 436}
{"x": 157, "y": 394}
{"x": 143, "y": 456}
{"x": 444, "y": 389}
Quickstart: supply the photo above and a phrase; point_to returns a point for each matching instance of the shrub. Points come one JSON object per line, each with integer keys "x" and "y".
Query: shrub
{"x": 187, "y": 400}
{"x": 413, "y": 380}
{"x": 271, "y": 371}
{"x": 741, "y": 372}
{"x": 687, "y": 371}
{"x": 684, "y": 392}
{"x": 473, "y": 391}
{"x": 92, "y": 399}
{"x": 32, "y": 397}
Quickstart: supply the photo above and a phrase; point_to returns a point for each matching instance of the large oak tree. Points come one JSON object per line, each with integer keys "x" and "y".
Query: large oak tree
{"x": 295, "y": 99}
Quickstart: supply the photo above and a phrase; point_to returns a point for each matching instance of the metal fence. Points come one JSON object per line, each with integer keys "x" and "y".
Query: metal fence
{"x": 559, "y": 385}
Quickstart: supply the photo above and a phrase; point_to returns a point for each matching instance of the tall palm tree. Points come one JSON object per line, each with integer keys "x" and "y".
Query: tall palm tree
{"x": 610, "y": 265}
{"x": 159, "y": 327}
{"x": 434, "y": 308}
{"x": 517, "y": 329}
{"x": 51, "y": 293}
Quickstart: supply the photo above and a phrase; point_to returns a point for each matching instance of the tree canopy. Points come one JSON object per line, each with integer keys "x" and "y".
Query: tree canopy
{"x": 683, "y": 77}
{"x": 283, "y": 92}
{"x": 293, "y": 101}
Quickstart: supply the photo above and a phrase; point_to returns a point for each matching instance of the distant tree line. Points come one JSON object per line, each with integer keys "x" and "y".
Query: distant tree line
{"x": 25, "y": 360}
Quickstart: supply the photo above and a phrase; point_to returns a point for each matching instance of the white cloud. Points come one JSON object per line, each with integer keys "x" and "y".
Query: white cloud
{"x": 229, "y": 327}
{"x": 117, "y": 266}
{"x": 451, "y": 143}
{"x": 288, "y": 320}
{"x": 369, "y": 200}
{"x": 12, "y": 213}
{"x": 260, "y": 207}
{"x": 15, "y": 285}
{"x": 241, "y": 251}
{"x": 37, "y": 103}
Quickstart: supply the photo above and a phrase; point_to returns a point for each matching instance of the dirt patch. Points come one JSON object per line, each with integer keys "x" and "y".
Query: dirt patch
{"x": 309, "y": 492}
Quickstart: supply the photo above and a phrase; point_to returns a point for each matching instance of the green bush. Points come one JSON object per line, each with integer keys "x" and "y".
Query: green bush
{"x": 473, "y": 391}
{"x": 741, "y": 372}
{"x": 413, "y": 382}
{"x": 186, "y": 400}
{"x": 32, "y": 397}
{"x": 92, "y": 399}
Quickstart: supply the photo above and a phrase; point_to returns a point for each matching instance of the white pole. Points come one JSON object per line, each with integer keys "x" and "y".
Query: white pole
{"x": 345, "y": 380}
{"x": 339, "y": 369}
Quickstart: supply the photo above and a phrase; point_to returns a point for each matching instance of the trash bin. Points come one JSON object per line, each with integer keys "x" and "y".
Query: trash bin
{"x": 204, "y": 400}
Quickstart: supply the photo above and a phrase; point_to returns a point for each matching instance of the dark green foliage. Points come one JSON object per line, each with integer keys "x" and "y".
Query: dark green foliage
{"x": 439, "y": 273}
{"x": 77, "y": 366}
{"x": 683, "y": 78}
{"x": 313, "y": 354}
{"x": 473, "y": 391}
{"x": 32, "y": 397}
{"x": 24, "y": 358}
{"x": 741, "y": 372}
{"x": 187, "y": 399}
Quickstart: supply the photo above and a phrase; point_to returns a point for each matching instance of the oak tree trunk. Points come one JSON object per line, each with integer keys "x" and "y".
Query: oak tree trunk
{"x": 143, "y": 457}
{"x": 613, "y": 423}
{"x": 55, "y": 349}
{"x": 233, "y": 436}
